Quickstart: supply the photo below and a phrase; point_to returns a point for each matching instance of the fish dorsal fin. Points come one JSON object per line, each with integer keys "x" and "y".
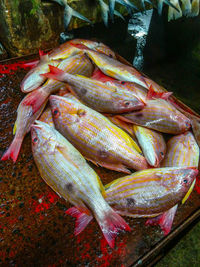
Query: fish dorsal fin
{"x": 152, "y": 94}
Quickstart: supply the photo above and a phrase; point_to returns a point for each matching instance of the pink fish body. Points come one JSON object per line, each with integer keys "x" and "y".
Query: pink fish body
{"x": 95, "y": 136}
{"x": 152, "y": 144}
{"x": 159, "y": 115}
{"x": 65, "y": 170}
{"x": 98, "y": 95}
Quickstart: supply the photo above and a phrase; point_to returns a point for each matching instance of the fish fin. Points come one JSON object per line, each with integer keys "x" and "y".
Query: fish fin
{"x": 30, "y": 64}
{"x": 100, "y": 76}
{"x": 121, "y": 117}
{"x": 173, "y": 13}
{"x": 82, "y": 219}
{"x": 111, "y": 9}
{"x": 165, "y": 220}
{"x": 167, "y": 2}
{"x": 80, "y": 46}
{"x": 152, "y": 94}
{"x": 195, "y": 8}
{"x": 135, "y": 145}
{"x": 54, "y": 73}
{"x": 189, "y": 192}
{"x": 41, "y": 53}
{"x": 186, "y": 7}
{"x": 110, "y": 223}
{"x": 69, "y": 13}
{"x": 13, "y": 150}
{"x": 115, "y": 167}
{"x": 35, "y": 99}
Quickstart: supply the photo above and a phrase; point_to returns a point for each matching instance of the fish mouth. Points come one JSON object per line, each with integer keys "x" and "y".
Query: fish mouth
{"x": 38, "y": 125}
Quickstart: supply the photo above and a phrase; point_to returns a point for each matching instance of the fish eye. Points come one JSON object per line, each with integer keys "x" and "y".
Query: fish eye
{"x": 110, "y": 55}
{"x": 35, "y": 140}
{"x": 161, "y": 153}
{"x": 126, "y": 103}
{"x": 123, "y": 82}
{"x": 81, "y": 112}
{"x": 56, "y": 113}
{"x": 185, "y": 181}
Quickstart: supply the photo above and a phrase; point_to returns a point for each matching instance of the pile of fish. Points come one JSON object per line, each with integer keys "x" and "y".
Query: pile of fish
{"x": 107, "y": 112}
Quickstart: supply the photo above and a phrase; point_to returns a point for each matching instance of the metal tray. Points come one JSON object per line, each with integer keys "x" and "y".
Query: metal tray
{"x": 34, "y": 228}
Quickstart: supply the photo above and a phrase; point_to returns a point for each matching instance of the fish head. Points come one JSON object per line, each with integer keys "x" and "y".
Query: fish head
{"x": 66, "y": 110}
{"x": 189, "y": 175}
{"x": 127, "y": 102}
{"x": 44, "y": 137}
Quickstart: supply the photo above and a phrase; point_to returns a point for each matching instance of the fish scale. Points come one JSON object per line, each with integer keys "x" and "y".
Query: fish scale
{"x": 159, "y": 115}
{"x": 65, "y": 170}
{"x": 95, "y": 136}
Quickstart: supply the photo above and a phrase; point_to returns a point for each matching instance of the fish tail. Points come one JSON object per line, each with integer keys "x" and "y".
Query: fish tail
{"x": 82, "y": 219}
{"x": 111, "y": 223}
{"x": 30, "y": 64}
{"x": 165, "y": 220}
{"x": 54, "y": 73}
{"x": 112, "y": 9}
{"x": 35, "y": 99}
{"x": 174, "y": 12}
{"x": 195, "y": 8}
{"x": 13, "y": 150}
{"x": 160, "y": 6}
{"x": 186, "y": 7}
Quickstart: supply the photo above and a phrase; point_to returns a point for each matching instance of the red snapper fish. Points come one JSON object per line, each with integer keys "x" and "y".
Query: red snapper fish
{"x": 112, "y": 67}
{"x": 95, "y": 136}
{"x": 98, "y": 95}
{"x": 65, "y": 170}
{"x": 160, "y": 115}
{"x": 147, "y": 193}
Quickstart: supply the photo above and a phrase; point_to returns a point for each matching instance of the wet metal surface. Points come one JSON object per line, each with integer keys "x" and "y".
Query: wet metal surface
{"x": 34, "y": 228}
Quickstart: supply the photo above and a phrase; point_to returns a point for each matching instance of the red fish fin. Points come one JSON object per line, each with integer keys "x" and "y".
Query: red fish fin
{"x": 100, "y": 76}
{"x": 82, "y": 219}
{"x": 153, "y": 94}
{"x": 54, "y": 73}
{"x": 30, "y": 64}
{"x": 165, "y": 220}
{"x": 13, "y": 150}
{"x": 111, "y": 223}
{"x": 35, "y": 99}
{"x": 42, "y": 53}
{"x": 80, "y": 46}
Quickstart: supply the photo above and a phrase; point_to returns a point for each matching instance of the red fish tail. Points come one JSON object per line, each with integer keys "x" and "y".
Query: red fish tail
{"x": 30, "y": 64}
{"x": 13, "y": 150}
{"x": 35, "y": 99}
{"x": 54, "y": 73}
{"x": 82, "y": 219}
{"x": 165, "y": 220}
{"x": 111, "y": 223}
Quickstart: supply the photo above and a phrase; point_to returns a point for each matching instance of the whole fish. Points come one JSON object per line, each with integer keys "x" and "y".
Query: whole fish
{"x": 69, "y": 49}
{"x": 65, "y": 170}
{"x": 25, "y": 118}
{"x": 148, "y": 193}
{"x": 159, "y": 115}
{"x": 46, "y": 117}
{"x": 95, "y": 136}
{"x": 32, "y": 79}
{"x": 98, "y": 95}
{"x": 152, "y": 143}
{"x": 182, "y": 151}
{"x": 113, "y": 67}
{"x": 79, "y": 64}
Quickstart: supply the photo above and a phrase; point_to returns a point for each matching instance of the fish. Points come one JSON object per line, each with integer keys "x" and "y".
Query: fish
{"x": 174, "y": 13}
{"x": 182, "y": 150}
{"x": 150, "y": 192}
{"x": 25, "y": 118}
{"x": 186, "y": 7}
{"x": 195, "y": 8}
{"x": 69, "y": 49}
{"x": 65, "y": 170}
{"x": 112, "y": 67}
{"x": 69, "y": 13}
{"x": 170, "y": 3}
{"x": 153, "y": 193}
{"x": 159, "y": 115}
{"x": 97, "y": 95}
{"x": 152, "y": 143}
{"x": 79, "y": 64}
{"x": 32, "y": 79}
{"x": 46, "y": 117}
{"x": 105, "y": 12}
{"x": 97, "y": 139}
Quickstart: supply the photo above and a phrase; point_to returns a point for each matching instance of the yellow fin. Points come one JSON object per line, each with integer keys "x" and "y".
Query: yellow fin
{"x": 103, "y": 192}
{"x": 135, "y": 145}
{"x": 14, "y": 128}
{"x": 189, "y": 192}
